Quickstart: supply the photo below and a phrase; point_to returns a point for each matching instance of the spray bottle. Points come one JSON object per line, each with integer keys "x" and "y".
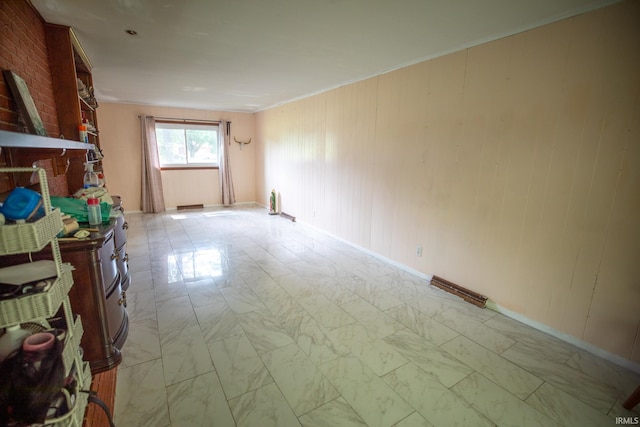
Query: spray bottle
{"x": 90, "y": 177}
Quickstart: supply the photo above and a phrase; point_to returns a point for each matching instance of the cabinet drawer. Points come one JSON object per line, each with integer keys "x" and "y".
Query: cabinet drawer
{"x": 116, "y": 311}
{"x": 123, "y": 269}
{"x": 120, "y": 231}
{"x": 108, "y": 256}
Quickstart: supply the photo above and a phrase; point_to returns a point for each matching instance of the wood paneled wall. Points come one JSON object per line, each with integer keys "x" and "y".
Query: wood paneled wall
{"x": 514, "y": 164}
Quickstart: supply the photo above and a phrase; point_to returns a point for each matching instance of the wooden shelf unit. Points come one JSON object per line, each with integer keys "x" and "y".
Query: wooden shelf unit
{"x": 68, "y": 64}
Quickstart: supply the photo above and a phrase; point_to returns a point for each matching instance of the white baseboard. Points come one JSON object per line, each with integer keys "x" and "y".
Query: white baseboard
{"x": 613, "y": 358}
{"x": 570, "y": 339}
{"x": 127, "y": 211}
{"x": 403, "y": 267}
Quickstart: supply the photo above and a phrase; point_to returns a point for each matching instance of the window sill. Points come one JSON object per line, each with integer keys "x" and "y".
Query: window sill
{"x": 174, "y": 168}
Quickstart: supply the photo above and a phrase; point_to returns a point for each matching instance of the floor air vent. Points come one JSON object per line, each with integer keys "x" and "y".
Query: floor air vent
{"x": 467, "y": 295}
{"x": 184, "y": 207}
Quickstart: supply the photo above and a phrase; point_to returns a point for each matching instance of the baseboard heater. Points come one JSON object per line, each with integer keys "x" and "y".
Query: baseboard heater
{"x": 467, "y": 295}
{"x": 183, "y": 207}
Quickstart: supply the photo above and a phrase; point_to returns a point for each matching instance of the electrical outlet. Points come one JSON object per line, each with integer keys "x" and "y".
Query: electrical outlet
{"x": 418, "y": 250}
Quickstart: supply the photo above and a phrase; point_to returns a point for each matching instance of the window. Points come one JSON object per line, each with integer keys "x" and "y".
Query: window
{"x": 187, "y": 144}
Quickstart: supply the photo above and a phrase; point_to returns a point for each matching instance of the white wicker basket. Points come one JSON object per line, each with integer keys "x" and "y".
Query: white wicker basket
{"x": 33, "y": 237}
{"x": 71, "y": 340}
{"x": 30, "y": 237}
{"x": 78, "y": 402}
{"x": 32, "y": 307}
{"x": 72, "y": 344}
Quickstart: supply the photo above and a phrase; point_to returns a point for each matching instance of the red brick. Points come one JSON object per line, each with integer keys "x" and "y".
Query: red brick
{"x": 23, "y": 38}
{"x": 23, "y": 50}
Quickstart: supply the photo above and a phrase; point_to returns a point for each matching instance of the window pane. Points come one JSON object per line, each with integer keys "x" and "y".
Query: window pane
{"x": 187, "y": 144}
{"x": 171, "y": 147}
{"x": 202, "y": 146}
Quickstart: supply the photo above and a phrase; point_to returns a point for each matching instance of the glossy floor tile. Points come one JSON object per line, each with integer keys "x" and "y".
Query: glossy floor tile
{"x": 239, "y": 318}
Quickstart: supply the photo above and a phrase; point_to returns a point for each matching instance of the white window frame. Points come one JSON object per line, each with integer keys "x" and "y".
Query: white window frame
{"x": 186, "y": 124}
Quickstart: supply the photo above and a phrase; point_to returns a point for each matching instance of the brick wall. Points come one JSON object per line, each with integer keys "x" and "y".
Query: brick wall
{"x": 23, "y": 50}
{"x": 57, "y": 183}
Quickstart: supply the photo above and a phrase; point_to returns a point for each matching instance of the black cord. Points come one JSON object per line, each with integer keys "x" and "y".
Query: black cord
{"x": 93, "y": 398}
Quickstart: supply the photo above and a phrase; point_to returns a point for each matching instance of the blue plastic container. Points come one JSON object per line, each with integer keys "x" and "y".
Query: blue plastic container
{"x": 22, "y": 203}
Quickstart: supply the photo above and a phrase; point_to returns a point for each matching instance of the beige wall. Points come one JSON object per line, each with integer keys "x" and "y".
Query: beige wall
{"x": 120, "y": 141}
{"x": 515, "y": 164}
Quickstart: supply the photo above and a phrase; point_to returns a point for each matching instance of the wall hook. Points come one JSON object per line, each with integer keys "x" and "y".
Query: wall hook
{"x": 242, "y": 142}
{"x": 64, "y": 151}
{"x": 34, "y": 179}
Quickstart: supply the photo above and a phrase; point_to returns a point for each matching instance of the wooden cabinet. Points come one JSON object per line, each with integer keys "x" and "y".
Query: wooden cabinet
{"x": 98, "y": 297}
{"x": 70, "y": 71}
{"x": 68, "y": 64}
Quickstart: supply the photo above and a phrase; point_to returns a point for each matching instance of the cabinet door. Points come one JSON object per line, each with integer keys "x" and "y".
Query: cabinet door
{"x": 120, "y": 235}
{"x": 108, "y": 257}
{"x": 117, "y": 315}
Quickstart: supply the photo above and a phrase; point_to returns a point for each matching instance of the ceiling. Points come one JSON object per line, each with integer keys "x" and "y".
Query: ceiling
{"x": 248, "y": 55}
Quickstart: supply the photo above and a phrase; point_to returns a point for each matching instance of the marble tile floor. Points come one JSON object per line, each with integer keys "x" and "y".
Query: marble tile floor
{"x": 238, "y": 318}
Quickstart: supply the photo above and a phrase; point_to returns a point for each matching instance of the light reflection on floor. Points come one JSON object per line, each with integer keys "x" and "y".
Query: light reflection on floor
{"x": 198, "y": 264}
{"x": 239, "y": 318}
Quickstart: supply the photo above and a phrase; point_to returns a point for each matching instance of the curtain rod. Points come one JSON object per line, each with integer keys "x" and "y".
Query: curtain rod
{"x": 184, "y": 120}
